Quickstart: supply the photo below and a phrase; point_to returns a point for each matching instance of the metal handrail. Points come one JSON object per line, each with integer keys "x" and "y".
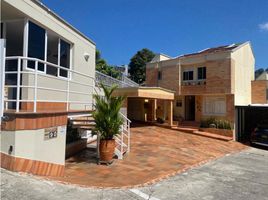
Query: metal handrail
{"x": 108, "y": 80}
{"x": 22, "y": 68}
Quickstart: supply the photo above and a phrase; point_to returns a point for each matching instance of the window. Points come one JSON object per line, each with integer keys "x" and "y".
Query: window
{"x": 2, "y": 30}
{"x": 179, "y": 103}
{"x": 57, "y": 50}
{"x": 52, "y": 52}
{"x": 214, "y": 106}
{"x": 266, "y": 94}
{"x": 36, "y": 45}
{"x": 202, "y": 73}
{"x": 188, "y": 76}
{"x": 159, "y": 75}
{"x": 64, "y": 57}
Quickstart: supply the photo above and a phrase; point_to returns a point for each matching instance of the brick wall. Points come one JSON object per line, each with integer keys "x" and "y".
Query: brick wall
{"x": 218, "y": 80}
{"x": 258, "y": 91}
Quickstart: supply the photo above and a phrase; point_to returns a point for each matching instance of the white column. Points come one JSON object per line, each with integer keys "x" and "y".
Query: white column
{"x": 2, "y": 78}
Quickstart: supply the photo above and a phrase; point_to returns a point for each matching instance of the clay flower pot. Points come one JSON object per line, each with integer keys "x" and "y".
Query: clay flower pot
{"x": 107, "y": 148}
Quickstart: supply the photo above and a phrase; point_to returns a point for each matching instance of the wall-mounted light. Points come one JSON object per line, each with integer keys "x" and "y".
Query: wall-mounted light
{"x": 146, "y": 100}
{"x": 86, "y": 56}
{"x": 10, "y": 149}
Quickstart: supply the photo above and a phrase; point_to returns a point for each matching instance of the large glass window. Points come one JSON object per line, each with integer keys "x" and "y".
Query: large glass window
{"x": 36, "y": 45}
{"x": 64, "y": 57}
{"x": 188, "y": 76}
{"x": 52, "y": 52}
{"x": 202, "y": 73}
{"x": 214, "y": 106}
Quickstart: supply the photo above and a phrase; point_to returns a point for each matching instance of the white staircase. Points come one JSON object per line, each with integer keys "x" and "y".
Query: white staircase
{"x": 123, "y": 140}
{"x": 85, "y": 124}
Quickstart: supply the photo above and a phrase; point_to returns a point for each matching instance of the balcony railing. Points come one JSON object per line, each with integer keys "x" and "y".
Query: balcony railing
{"x": 16, "y": 83}
{"x": 193, "y": 82}
{"x": 108, "y": 80}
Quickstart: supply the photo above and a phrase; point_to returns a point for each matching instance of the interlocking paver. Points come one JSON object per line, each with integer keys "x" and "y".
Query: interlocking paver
{"x": 155, "y": 153}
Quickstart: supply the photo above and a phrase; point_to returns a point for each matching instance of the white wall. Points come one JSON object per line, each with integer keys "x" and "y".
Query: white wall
{"x": 179, "y": 111}
{"x": 244, "y": 63}
{"x": 30, "y": 144}
{"x": 80, "y": 46}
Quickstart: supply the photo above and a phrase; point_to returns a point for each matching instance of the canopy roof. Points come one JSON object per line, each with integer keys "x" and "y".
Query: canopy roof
{"x": 145, "y": 92}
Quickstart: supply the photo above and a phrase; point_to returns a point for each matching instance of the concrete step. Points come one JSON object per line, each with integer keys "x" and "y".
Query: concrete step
{"x": 82, "y": 120}
{"x": 185, "y": 129}
{"x": 212, "y": 135}
{"x": 84, "y": 127}
{"x": 83, "y": 123}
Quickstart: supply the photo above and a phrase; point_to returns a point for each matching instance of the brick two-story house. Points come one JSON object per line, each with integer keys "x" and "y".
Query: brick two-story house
{"x": 207, "y": 83}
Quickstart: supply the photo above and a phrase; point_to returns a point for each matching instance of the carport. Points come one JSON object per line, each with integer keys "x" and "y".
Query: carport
{"x": 247, "y": 118}
{"x": 146, "y": 104}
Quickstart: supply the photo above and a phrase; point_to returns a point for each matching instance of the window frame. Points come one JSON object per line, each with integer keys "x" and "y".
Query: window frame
{"x": 26, "y": 29}
{"x": 187, "y": 71}
{"x": 25, "y": 50}
{"x": 203, "y": 72}
{"x": 212, "y": 101}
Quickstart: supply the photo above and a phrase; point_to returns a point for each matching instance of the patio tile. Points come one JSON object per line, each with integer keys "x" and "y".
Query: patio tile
{"x": 155, "y": 154}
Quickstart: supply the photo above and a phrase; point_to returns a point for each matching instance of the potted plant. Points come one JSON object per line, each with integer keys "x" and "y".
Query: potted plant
{"x": 108, "y": 121}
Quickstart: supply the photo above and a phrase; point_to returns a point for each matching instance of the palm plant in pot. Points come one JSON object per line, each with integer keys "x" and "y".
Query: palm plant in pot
{"x": 108, "y": 121}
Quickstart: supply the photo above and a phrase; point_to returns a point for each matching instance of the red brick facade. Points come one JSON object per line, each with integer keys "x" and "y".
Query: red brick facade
{"x": 259, "y": 90}
{"x": 219, "y": 81}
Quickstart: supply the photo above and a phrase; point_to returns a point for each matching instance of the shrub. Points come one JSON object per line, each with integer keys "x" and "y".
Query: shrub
{"x": 160, "y": 120}
{"x": 217, "y": 123}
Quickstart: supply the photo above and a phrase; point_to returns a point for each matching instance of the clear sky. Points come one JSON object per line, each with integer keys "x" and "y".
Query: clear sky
{"x": 122, "y": 27}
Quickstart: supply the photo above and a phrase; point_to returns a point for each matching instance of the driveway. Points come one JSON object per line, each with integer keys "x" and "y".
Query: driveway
{"x": 242, "y": 176}
{"x": 156, "y": 153}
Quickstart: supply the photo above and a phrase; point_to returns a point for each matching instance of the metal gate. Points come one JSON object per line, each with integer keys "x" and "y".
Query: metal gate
{"x": 248, "y": 118}
{"x": 2, "y": 77}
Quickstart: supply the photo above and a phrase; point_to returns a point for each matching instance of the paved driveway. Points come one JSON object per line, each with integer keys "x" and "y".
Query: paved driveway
{"x": 242, "y": 176}
{"x": 155, "y": 154}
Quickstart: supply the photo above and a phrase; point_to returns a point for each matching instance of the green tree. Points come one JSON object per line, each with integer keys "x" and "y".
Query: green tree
{"x": 103, "y": 67}
{"x": 137, "y": 65}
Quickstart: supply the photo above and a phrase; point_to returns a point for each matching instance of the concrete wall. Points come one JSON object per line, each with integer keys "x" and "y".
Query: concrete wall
{"x": 244, "y": 64}
{"x": 30, "y": 144}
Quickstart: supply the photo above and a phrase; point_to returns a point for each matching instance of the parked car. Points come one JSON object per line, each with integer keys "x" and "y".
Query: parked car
{"x": 259, "y": 135}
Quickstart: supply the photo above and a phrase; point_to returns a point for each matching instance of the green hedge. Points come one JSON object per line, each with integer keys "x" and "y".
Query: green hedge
{"x": 217, "y": 123}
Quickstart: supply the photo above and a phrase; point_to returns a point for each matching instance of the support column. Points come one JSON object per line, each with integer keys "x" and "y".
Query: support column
{"x": 170, "y": 112}
{"x": 154, "y": 109}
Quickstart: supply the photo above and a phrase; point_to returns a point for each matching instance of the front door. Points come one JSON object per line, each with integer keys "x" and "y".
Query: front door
{"x": 190, "y": 108}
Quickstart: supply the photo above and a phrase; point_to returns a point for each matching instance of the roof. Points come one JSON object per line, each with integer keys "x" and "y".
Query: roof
{"x": 62, "y": 20}
{"x": 224, "y": 48}
{"x": 212, "y": 50}
{"x": 145, "y": 92}
{"x": 160, "y": 57}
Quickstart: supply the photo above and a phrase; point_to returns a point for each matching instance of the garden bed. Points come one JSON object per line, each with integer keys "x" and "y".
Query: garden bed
{"x": 223, "y": 132}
